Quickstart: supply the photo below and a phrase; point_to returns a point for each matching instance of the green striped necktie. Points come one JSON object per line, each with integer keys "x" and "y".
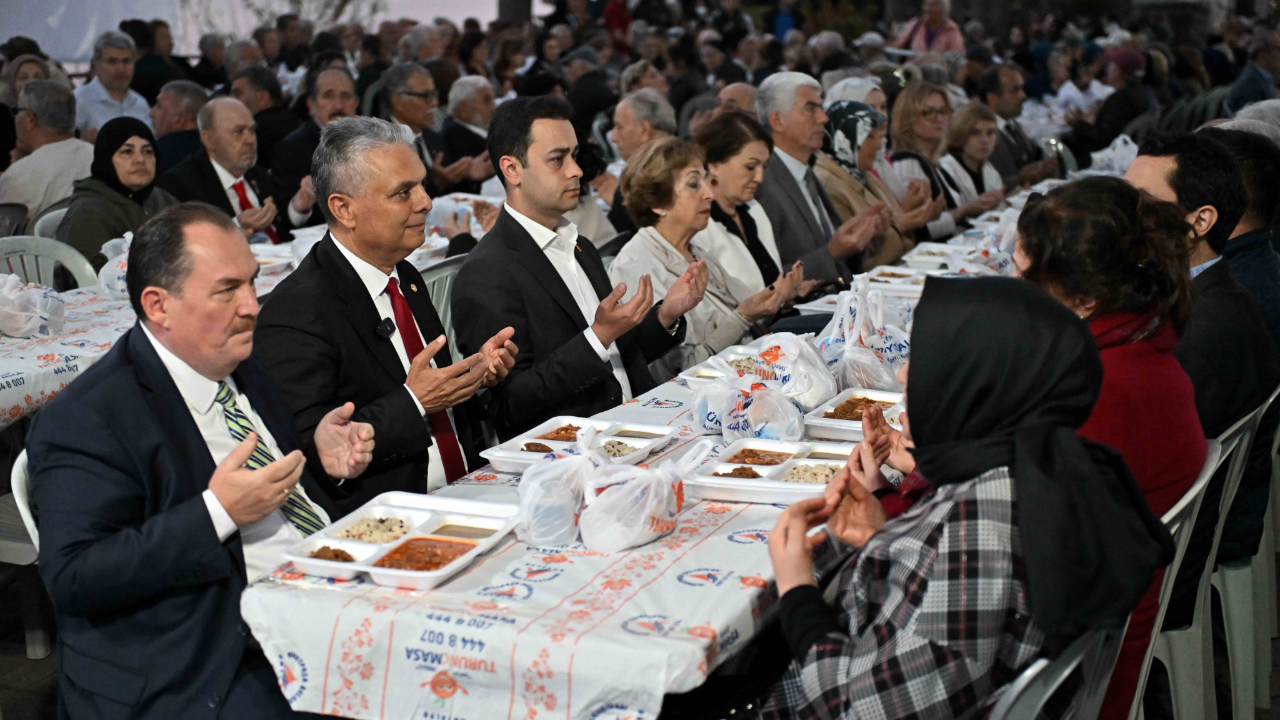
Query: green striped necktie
{"x": 296, "y": 508}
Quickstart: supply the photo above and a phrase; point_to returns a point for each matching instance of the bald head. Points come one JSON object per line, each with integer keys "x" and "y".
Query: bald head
{"x": 738, "y": 97}
{"x": 229, "y": 134}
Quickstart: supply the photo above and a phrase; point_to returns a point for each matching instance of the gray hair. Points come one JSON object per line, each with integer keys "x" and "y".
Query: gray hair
{"x": 209, "y": 40}
{"x": 191, "y": 97}
{"x": 53, "y": 103}
{"x": 465, "y": 88}
{"x": 339, "y": 164}
{"x": 829, "y": 41}
{"x": 778, "y": 93}
{"x": 632, "y": 75}
{"x": 1257, "y": 127}
{"x": 652, "y": 107}
{"x": 1267, "y": 111}
{"x": 396, "y": 80}
{"x": 231, "y": 55}
{"x": 112, "y": 39}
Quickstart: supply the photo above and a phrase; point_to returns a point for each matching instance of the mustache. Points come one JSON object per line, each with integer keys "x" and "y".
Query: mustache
{"x": 242, "y": 325}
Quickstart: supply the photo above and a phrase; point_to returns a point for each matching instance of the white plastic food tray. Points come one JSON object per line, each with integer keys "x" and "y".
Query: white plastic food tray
{"x": 702, "y": 373}
{"x": 511, "y": 458}
{"x": 825, "y": 304}
{"x": 929, "y": 255}
{"x": 817, "y": 426}
{"x": 424, "y": 513}
{"x": 769, "y": 489}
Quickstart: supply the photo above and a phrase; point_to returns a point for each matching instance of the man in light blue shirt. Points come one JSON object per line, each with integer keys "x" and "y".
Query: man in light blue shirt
{"x": 108, "y": 96}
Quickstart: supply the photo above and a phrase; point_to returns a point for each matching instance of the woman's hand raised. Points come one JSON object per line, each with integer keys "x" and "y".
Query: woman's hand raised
{"x": 791, "y": 549}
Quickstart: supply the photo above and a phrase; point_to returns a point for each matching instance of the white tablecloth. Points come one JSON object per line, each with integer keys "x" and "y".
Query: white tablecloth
{"x": 530, "y": 631}
{"x": 33, "y": 370}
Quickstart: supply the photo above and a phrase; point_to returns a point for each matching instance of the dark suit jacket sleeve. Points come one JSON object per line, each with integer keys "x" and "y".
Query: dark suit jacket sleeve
{"x": 482, "y": 306}
{"x": 461, "y": 244}
{"x": 654, "y": 339}
{"x": 1002, "y": 160}
{"x": 818, "y": 263}
{"x": 306, "y": 365}
{"x": 97, "y": 553}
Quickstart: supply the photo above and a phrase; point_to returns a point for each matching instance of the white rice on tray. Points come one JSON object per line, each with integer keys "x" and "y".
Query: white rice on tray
{"x": 375, "y": 530}
{"x": 616, "y": 449}
{"x": 812, "y": 474}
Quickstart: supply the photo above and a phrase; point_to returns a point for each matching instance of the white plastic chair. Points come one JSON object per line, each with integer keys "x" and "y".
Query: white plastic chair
{"x": 33, "y": 259}
{"x": 1179, "y": 520}
{"x": 46, "y": 226}
{"x": 18, "y": 546}
{"x": 1249, "y": 655}
{"x": 1094, "y": 653}
{"x": 1188, "y": 652}
{"x": 439, "y": 281}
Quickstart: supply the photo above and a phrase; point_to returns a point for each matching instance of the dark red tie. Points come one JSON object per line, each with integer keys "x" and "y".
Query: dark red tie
{"x": 246, "y": 205}
{"x": 441, "y": 428}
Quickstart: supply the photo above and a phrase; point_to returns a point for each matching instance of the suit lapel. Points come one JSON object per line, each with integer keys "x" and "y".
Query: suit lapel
{"x": 211, "y": 187}
{"x": 357, "y": 306}
{"x": 533, "y": 259}
{"x": 787, "y": 182}
{"x": 594, "y": 270}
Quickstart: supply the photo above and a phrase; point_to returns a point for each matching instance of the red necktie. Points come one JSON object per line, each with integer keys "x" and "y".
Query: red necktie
{"x": 441, "y": 428}
{"x": 246, "y": 205}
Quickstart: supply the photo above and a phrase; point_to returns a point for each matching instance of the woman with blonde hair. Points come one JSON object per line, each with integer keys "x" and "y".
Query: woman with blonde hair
{"x": 971, "y": 139}
{"x": 851, "y": 143}
{"x": 921, "y": 115}
{"x": 666, "y": 190}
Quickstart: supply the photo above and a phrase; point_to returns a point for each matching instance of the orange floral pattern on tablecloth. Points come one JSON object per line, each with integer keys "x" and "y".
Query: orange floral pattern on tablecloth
{"x": 353, "y": 669}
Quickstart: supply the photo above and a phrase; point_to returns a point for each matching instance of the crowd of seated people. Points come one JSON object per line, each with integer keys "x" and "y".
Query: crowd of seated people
{"x": 661, "y": 181}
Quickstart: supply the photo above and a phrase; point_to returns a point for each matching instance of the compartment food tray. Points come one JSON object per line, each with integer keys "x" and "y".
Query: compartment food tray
{"x": 817, "y": 426}
{"x": 769, "y": 489}
{"x": 509, "y": 457}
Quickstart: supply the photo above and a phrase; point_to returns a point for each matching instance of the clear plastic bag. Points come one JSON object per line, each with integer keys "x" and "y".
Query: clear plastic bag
{"x": 794, "y": 367}
{"x": 860, "y": 368}
{"x": 710, "y": 400}
{"x": 551, "y": 494}
{"x": 111, "y": 278}
{"x": 29, "y": 310}
{"x": 640, "y": 506}
{"x": 763, "y": 413}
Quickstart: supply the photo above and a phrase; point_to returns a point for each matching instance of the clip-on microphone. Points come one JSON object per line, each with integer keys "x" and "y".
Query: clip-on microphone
{"x": 386, "y": 329}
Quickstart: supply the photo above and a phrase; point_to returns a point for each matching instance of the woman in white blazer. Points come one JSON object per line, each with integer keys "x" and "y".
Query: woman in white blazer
{"x": 971, "y": 139}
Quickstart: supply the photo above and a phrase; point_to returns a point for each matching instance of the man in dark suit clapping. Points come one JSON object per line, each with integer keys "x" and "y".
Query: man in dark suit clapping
{"x": 580, "y": 351}
{"x": 354, "y": 321}
{"x": 168, "y": 477}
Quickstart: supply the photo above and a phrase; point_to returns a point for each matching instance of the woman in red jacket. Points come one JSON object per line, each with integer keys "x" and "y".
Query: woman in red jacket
{"x": 1118, "y": 258}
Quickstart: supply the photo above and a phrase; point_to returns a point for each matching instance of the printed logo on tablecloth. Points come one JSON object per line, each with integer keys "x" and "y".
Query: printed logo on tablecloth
{"x": 656, "y": 403}
{"x": 749, "y": 537}
{"x": 509, "y": 591}
{"x": 614, "y": 711}
{"x": 293, "y": 676}
{"x": 536, "y": 573}
{"x": 704, "y": 577}
{"x": 659, "y": 625}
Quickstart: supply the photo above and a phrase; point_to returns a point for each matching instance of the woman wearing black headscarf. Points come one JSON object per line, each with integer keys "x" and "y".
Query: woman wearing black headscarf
{"x": 1031, "y": 536}
{"x": 118, "y": 196}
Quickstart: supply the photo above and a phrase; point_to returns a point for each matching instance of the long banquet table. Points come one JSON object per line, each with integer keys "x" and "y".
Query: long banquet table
{"x": 528, "y": 631}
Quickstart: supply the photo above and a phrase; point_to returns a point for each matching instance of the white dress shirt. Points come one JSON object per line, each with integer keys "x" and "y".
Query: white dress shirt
{"x": 375, "y": 282}
{"x": 1196, "y": 270}
{"x": 95, "y": 106}
{"x": 560, "y": 246}
{"x": 266, "y": 540}
{"x": 228, "y": 186}
{"x": 798, "y": 168}
{"x": 45, "y": 176}
{"x": 730, "y": 252}
{"x": 477, "y": 130}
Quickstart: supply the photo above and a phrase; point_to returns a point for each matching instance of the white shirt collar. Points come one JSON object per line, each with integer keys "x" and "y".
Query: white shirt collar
{"x": 375, "y": 281}
{"x": 96, "y": 87}
{"x": 1204, "y": 266}
{"x": 797, "y": 167}
{"x": 479, "y": 131}
{"x": 224, "y": 176}
{"x": 1000, "y": 123}
{"x": 197, "y": 390}
{"x": 544, "y": 236}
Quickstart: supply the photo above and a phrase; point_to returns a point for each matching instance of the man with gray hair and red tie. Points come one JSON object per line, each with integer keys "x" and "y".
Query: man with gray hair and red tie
{"x": 354, "y": 321}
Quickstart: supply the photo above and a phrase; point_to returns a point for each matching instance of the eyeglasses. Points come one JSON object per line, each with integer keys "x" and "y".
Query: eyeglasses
{"x": 427, "y": 96}
{"x": 935, "y": 112}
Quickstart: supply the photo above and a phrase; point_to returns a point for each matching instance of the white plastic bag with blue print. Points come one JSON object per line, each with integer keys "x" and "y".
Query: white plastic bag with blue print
{"x": 791, "y": 364}
{"x": 641, "y": 505}
{"x": 29, "y": 310}
{"x": 710, "y": 400}
{"x": 111, "y": 278}
{"x": 845, "y": 325}
{"x": 762, "y": 412}
{"x": 551, "y": 494}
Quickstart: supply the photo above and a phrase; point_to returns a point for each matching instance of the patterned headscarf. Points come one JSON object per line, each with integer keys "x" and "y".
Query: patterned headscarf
{"x": 849, "y": 124}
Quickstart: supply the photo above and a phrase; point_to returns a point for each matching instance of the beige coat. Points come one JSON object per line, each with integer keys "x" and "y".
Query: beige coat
{"x": 852, "y": 197}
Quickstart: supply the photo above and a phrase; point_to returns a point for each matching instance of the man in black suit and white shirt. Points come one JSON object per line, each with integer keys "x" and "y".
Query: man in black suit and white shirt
{"x": 1018, "y": 159}
{"x": 225, "y": 174}
{"x": 410, "y": 96}
{"x": 580, "y": 351}
{"x": 352, "y": 321}
{"x": 333, "y": 96}
{"x": 168, "y": 477}
{"x": 471, "y": 107}
{"x": 259, "y": 89}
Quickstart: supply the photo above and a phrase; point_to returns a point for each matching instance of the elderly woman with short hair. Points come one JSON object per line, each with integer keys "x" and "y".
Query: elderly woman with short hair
{"x": 665, "y": 189}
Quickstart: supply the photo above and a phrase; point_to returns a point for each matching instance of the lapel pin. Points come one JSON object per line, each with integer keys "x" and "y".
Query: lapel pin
{"x": 413, "y": 288}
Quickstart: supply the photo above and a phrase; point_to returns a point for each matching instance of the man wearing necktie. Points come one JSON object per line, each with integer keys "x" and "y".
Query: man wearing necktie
{"x": 1019, "y": 160}
{"x": 169, "y": 476}
{"x": 354, "y": 322}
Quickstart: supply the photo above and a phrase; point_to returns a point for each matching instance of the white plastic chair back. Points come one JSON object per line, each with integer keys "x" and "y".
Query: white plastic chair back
{"x": 439, "y": 281}
{"x": 21, "y": 481}
{"x": 33, "y": 259}
{"x": 47, "y": 224}
{"x": 1094, "y": 653}
{"x": 1179, "y": 520}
